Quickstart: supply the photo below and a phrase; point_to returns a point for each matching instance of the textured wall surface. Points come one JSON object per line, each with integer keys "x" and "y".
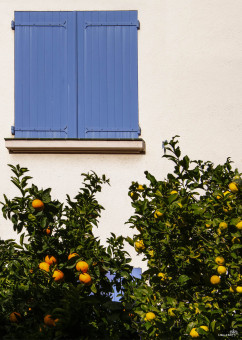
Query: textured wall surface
{"x": 190, "y": 84}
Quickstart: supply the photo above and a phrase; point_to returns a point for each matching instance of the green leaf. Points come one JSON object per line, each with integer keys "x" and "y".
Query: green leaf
{"x": 212, "y": 325}
{"x": 183, "y": 278}
{"x": 236, "y": 246}
{"x": 22, "y": 239}
{"x": 93, "y": 288}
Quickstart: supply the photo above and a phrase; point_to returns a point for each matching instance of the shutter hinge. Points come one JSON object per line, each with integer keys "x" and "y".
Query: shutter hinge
{"x": 13, "y": 129}
{"x": 91, "y": 24}
{"x": 107, "y": 129}
{"x": 38, "y": 24}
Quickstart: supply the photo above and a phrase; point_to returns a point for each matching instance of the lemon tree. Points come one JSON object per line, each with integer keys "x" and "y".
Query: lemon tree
{"x": 53, "y": 283}
{"x": 188, "y": 230}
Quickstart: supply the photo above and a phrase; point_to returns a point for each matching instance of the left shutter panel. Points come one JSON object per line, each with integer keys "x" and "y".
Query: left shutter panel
{"x": 45, "y": 75}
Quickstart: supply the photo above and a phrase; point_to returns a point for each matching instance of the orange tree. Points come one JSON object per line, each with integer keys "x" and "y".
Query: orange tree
{"x": 53, "y": 284}
{"x": 188, "y": 229}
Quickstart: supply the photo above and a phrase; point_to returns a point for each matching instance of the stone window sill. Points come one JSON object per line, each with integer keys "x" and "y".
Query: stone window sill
{"x": 69, "y": 146}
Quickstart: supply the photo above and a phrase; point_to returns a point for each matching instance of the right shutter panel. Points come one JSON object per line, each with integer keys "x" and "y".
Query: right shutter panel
{"x": 45, "y": 75}
{"x": 108, "y": 74}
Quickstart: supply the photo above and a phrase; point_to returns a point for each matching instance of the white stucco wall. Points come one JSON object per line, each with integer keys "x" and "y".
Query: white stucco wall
{"x": 190, "y": 84}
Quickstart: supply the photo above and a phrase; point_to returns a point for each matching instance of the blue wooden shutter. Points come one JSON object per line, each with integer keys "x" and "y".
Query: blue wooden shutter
{"x": 107, "y": 74}
{"x": 45, "y": 75}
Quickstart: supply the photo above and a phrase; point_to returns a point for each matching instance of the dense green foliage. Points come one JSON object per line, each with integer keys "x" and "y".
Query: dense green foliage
{"x": 187, "y": 228}
{"x": 180, "y": 231}
{"x": 83, "y": 311}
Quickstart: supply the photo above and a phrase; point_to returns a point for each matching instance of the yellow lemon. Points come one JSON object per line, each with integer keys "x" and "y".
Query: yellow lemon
{"x": 139, "y": 245}
{"x": 215, "y": 279}
{"x": 205, "y": 328}
{"x": 236, "y": 177}
{"x": 140, "y": 188}
{"x": 194, "y": 333}
{"x": 220, "y": 260}
{"x": 219, "y": 232}
{"x": 227, "y": 193}
{"x": 151, "y": 252}
{"x": 208, "y": 305}
{"x": 158, "y": 214}
{"x": 239, "y": 225}
{"x": 134, "y": 195}
{"x": 208, "y": 225}
{"x": 239, "y": 289}
{"x": 232, "y": 289}
{"x": 173, "y": 192}
{"x": 233, "y": 187}
{"x": 221, "y": 270}
{"x": 223, "y": 225}
{"x": 150, "y": 316}
{"x": 162, "y": 276}
{"x": 171, "y": 313}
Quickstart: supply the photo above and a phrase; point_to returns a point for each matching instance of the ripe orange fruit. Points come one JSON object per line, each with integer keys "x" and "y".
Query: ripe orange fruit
{"x": 49, "y": 321}
{"x": 221, "y": 270}
{"x": 50, "y": 260}
{"x": 58, "y": 275}
{"x": 44, "y": 266}
{"x": 72, "y": 255}
{"x": 220, "y": 260}
{"x": 85, "y": 278}
{"x": 215, "y": 279}
{"x": 14, "y": 317}
{"x": 47, "y": 231}
{"x": 38, "y": 205}
{"x": 82, "y": 266}
{"x": 140, "y": 188}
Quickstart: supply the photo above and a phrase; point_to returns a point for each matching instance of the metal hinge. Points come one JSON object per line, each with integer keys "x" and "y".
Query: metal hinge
{"x": 88, "y": 130}
{"x": 135, "y": 23}
{"x": 13, "y": 129}
{"x": 38, "y": 24}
